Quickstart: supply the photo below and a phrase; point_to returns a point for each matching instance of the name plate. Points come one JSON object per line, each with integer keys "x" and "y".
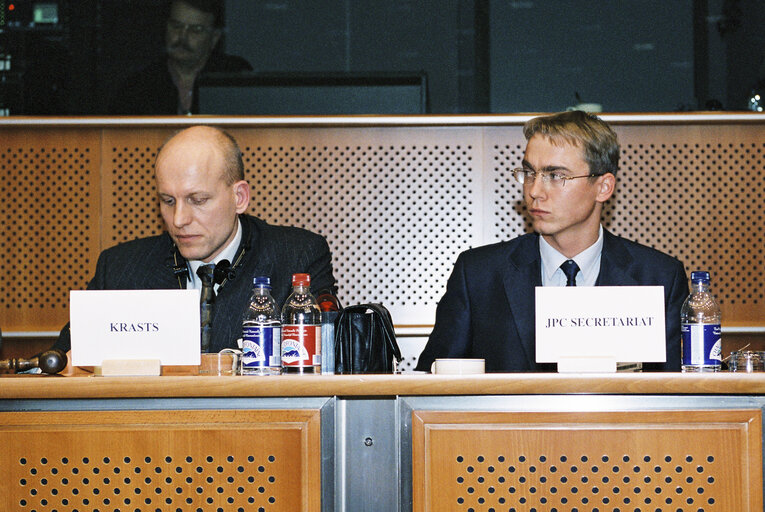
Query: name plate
{"x": 133, "y": 325}
{"x": 594, "y": 327}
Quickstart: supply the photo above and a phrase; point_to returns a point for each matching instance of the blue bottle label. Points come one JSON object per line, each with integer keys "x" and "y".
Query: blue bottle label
{"x": 261, "y": 346}
{"x": 702, "y": 344}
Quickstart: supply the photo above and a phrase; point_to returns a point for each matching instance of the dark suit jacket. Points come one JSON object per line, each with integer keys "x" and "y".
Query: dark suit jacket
{"x": 152, "y": 92}
{"x": 274, "y": 251}
{"x": 488, "y": 308}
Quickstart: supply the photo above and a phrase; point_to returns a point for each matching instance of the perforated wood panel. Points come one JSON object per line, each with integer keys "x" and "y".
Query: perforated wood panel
{"x": 700, "y": 196}
{"x": 381, "y": 199}
{"x": 678, "y": 461}
{"x": 397, "y": 204}
{"x": 49, "y": 185}
{"x": 130, "y": 205}
{"x": 139, "y": 461}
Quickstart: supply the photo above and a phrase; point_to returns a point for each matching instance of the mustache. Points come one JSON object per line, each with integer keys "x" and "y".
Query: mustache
{"x": 180, "y": 45}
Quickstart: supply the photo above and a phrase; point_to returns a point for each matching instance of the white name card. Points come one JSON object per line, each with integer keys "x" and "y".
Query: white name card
{"x": 599, "y": 324}
{"x": 134, "y": 324}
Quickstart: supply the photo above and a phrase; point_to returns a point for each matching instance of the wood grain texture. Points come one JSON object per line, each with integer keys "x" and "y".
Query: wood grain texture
{"x": 50, "y": 217}
{"x": 724, "y": 383}
{"x": 697, "y": 460}
{"x": 168, "y": 460}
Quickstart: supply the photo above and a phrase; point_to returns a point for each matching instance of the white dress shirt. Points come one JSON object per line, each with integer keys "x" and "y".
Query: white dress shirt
{"x": 587, "y": 260}
{"x": 226, "y": 254}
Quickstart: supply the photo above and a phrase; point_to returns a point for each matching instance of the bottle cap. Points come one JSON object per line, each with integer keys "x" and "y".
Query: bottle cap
{"x": 327, "y": 301}
{"x": 700, "y": 276}
{"x": 264, "y": 281}
{"x": 301, "y": 279}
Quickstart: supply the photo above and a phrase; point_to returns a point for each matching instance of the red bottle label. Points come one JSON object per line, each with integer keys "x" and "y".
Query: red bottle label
{"x": 301, "y": 344}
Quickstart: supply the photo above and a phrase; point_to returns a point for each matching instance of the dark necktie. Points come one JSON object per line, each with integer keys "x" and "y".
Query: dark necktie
{"x": 570, "y": 268}
{"x": 205, "y": 273}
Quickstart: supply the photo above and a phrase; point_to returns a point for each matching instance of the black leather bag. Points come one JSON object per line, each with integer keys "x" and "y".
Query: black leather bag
{"x": 365, "y": 341}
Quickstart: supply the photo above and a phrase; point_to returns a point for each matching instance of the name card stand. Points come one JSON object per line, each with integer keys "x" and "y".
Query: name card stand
{"x": 131, "y": 368}
{"x": 586, "y": 364}
{"x": 587, "y": 329}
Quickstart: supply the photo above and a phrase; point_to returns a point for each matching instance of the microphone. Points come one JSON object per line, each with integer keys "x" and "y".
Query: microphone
{"x": 223, "y": 271}
{"x": 181, "y": 270}
{"x": 51, "y": 362}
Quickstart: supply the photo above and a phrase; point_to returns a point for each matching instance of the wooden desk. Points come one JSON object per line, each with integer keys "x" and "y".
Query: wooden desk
{"x": 375, "y": 442}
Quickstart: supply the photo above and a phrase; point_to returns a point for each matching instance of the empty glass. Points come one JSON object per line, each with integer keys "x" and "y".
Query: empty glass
{"x": 747, "y": 361}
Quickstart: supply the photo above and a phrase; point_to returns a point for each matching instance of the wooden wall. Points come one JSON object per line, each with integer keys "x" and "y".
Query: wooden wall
{"x": 397, "y": 198}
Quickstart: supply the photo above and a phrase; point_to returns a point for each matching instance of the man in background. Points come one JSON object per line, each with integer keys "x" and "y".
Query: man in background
{"x": 203, "y": 196}
{"x": 568, "y": 173}
{"x": 168, "y": 86}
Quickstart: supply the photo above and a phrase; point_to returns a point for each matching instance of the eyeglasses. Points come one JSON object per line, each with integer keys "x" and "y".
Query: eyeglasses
{"x": 177, "y": 26}
{"x": 553, "y": 179}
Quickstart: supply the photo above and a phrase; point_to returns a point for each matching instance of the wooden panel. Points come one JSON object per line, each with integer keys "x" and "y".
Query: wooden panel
{"x": 130, "y": 206}
{"x": 147, "y": 461}
{"x": 50, "y": 223}
{"x": 696, "y": 192}
{"x": 51, "y": 387}
{"x": 397, "y": 204}
{"x": 670, "y": 461}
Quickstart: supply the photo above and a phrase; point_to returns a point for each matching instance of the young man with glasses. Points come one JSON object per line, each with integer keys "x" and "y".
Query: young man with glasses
{"x": 568, "y": 173}
{"x": 168, "y": 85}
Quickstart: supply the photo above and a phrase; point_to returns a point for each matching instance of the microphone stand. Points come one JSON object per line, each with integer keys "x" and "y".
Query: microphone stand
{"x": 50, "y": 362}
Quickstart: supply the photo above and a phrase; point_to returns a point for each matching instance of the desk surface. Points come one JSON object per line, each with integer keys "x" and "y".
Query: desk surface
{"x": 38, "y": 386}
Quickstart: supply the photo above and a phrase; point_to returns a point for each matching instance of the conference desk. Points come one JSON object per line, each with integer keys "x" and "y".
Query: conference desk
{"x": 510, "y": 442}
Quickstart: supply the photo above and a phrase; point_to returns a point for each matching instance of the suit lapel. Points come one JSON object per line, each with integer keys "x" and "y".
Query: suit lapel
{"x": 164, "y": 275}
{"x": 522, "y": 274}
{"x": 258, "y": 262}
{"x": 615, "y": 263}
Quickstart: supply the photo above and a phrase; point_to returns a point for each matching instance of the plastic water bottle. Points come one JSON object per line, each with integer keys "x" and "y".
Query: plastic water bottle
{"x": 301, "y": 329}
{"x": 261, "y": 332}
{"x": 700, "y": 327}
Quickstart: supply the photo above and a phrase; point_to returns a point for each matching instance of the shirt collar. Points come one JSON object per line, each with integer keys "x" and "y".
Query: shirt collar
{"x": 588, "y": 261}
{"x": 226, "y": 254}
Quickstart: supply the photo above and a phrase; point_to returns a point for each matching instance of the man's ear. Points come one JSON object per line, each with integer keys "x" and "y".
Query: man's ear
{"x": 242, "y": 195}
{"x": 606, "y": 185}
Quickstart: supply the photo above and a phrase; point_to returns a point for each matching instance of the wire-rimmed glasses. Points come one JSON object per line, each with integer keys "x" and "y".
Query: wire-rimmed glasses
{"x": 554, "y": 179}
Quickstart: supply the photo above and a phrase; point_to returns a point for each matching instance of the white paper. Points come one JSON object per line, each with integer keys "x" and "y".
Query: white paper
{"x": 135, "y": 324}
{"x": 625, "y": 323}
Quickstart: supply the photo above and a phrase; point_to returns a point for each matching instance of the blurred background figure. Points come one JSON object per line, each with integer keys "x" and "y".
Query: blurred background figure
{"x": 167, "y": 86}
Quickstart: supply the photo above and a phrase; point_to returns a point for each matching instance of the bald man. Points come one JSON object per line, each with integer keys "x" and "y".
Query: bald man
{"x": 202, "y": 198}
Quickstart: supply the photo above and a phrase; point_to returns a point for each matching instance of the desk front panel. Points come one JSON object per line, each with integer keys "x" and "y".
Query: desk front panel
{"x": 374, "y": 456}
{"x": 170, "y": 460}
{"x": 699, "y": 461}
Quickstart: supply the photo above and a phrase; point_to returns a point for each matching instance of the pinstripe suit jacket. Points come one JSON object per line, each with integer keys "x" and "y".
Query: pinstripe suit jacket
{"x": 274, "y": 251}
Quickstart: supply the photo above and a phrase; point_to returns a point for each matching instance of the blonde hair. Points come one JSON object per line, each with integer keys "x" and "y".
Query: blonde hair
{"x": 588, "y": 131}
